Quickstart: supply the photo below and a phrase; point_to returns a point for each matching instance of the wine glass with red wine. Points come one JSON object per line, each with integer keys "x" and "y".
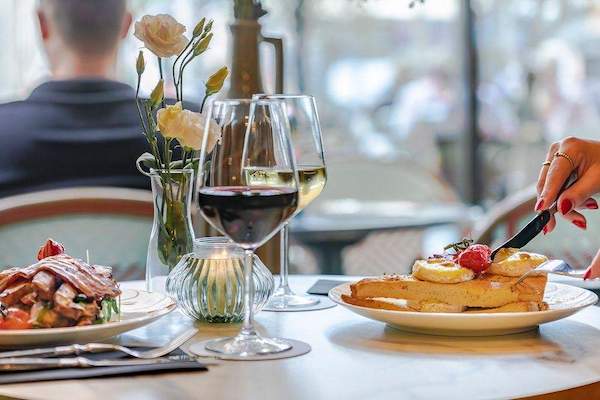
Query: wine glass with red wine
{"x": 254, "y": 135}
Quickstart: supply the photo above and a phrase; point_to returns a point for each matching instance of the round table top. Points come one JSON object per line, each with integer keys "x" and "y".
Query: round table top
{"x": 356, "y": 358}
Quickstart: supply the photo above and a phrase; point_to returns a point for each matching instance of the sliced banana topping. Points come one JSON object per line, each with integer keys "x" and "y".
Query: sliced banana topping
{"x": 515, "y": 262}
{"x": 440, "y": 270}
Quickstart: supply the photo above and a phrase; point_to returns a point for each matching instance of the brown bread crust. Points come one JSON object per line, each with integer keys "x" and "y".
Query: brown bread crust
{"x": 487, "y": 291}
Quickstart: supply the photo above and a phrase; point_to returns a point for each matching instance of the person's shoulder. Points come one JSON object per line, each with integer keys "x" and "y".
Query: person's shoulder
{"x": 12, "y": 105}
{"x": 14, "y": 109}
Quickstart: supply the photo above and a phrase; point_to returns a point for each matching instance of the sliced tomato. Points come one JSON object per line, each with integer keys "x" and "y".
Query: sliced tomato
{"x": 15, "y": 319}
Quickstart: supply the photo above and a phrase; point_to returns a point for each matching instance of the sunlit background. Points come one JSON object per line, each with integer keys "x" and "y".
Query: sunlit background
{"x": 392, "y": 85}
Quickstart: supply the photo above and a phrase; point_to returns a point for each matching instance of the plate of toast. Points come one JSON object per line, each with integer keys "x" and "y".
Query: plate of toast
{"x": 466, "y": 293}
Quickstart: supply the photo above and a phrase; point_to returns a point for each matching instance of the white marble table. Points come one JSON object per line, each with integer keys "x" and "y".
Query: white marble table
{"x": 355, "y": 358}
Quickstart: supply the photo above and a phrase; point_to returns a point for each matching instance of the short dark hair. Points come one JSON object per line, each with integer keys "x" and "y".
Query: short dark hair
{"x": 88, "y": 26}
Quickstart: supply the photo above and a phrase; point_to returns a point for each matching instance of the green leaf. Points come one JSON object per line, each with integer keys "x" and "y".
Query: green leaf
{"x": 108, "y": 307}
{"x": 146, "y": 162}
{"x": 193, "y": 164}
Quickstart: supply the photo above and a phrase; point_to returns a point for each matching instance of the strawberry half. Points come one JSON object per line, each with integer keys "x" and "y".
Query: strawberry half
{"x": 476, "y": 258}
{"x": 49, "y": 249}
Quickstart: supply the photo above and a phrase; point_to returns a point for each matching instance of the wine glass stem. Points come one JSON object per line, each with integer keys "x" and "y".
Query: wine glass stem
{"x": 248, "y": 324}
{"x": 284, "y": 287}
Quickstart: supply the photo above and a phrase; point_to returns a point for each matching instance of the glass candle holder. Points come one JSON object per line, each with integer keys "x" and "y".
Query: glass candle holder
{"x": 208, "y": 283}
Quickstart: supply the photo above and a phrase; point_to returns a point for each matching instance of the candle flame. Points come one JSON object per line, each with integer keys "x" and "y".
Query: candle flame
{"x": 221, "y": 255}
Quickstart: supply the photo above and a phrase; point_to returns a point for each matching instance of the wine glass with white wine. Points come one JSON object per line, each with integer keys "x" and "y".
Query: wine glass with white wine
{"x": 305, "y": 133}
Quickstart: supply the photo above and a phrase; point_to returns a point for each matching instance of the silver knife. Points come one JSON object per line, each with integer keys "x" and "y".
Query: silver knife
{"x": 26, "y": 363}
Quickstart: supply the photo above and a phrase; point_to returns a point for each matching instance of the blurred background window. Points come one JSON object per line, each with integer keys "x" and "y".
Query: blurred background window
{"x": 387, "y": 77}
{"x": 393, "y": 85}
{"x": 539, "y": 82}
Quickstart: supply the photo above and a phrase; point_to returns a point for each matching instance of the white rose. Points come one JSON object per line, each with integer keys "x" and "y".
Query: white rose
{"x": 187, "y": 127}
{"x": 161, "y": 34}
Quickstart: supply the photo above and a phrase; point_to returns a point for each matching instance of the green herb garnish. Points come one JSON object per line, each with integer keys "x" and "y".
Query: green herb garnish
{"x": 108, "y": 308}
{"x": 82, "y": 298}
{"x": 459, "y": 246}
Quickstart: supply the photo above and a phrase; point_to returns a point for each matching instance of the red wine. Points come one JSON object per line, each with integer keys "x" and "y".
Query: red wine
{"x": 247, "y": 214}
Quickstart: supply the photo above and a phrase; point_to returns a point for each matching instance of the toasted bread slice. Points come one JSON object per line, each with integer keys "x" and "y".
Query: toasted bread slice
{"x": 488, "y": 291}
{"x": 522, "y": 306}
{"x": 403, "y": 305}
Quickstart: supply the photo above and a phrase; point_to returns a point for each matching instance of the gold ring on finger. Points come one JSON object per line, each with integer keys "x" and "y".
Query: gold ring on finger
{"x": 546, "y": 163}
{"x": 565, "y": 155}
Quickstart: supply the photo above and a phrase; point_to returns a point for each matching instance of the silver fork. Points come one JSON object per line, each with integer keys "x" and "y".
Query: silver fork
{"x": 557, "y": 267}
{"x": 101, "y": 347}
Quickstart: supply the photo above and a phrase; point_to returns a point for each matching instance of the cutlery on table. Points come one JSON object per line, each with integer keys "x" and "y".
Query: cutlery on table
{"x": 102, "y": 347}
{"x": 556, "y": 267}
{"x": 535, "y": 226}
{"x": 26, "y": 363}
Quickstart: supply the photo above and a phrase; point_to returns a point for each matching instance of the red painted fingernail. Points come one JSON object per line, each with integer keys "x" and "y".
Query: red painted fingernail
{"x": 591, "y": 204}
{"x": 587, "y": 273}
{"x": 545, "y": 229}
{"x": 565, "y": 206}
{"x": 580, "y": 224}
{"x": 539, "y": 205}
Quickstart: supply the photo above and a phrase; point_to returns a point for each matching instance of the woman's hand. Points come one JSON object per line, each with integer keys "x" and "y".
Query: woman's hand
{"x": 564, "y": 157}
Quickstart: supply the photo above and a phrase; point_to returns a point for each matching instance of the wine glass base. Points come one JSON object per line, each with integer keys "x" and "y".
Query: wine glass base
{"x": 248, "y": 346}
{"x": 292, "y": 302}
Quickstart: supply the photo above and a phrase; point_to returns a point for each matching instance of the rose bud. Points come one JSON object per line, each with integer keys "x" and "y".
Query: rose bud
{"x": 49, "y": 249}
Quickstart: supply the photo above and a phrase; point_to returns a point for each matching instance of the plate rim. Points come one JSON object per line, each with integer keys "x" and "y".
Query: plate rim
{"x": 419, "y": 314}
{"x": 72, "y": 329}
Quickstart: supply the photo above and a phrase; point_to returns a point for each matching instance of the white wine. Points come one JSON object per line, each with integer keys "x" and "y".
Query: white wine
{"x": 311, "y": 180}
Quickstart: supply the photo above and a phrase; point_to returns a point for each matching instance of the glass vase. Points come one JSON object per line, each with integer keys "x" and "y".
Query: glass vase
{"x": 172, "y": 232}
{"x": 208, "y": 283}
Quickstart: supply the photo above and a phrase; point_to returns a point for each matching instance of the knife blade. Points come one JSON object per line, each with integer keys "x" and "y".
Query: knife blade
{"x": 31, "y": 363}
{"x": 535, "y": 226}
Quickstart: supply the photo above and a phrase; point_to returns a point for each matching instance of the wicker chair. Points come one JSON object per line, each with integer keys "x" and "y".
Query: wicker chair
{"x": 112, "y": 225}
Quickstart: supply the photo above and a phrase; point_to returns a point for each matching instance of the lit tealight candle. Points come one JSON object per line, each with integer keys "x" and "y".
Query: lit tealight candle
{"x": 208, "y": 283}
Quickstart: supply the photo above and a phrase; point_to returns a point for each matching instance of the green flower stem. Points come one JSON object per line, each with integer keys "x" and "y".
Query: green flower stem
{"x": 152, "y": 138}
{"x": 175, "y": 82}
{"x": 147, "y": 126}
{"x": 160, "y": 70}
{"x": 184, "y": 64}
{"x": 175, "y": 237}
{"x": 182, "y": 183}
{"x": 137, "y": 103}
{"x": 203, "y": 102}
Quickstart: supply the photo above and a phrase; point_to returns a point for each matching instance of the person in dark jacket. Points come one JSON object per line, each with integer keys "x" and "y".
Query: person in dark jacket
{"x": 81, "y": 128}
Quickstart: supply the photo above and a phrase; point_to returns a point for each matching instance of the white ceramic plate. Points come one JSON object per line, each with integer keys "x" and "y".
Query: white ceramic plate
{"x": 563, "y": 300}
{"x": 138, "y": 308}
{"x": 592, "y": 284}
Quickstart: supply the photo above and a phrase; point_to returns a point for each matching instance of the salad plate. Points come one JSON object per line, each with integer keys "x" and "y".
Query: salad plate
{"x": 62, "y": 299}
{"x": 138, "y": 308}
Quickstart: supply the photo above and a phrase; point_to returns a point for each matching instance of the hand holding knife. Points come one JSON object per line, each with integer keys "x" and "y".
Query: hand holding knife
{"x": 535, "y": 226}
